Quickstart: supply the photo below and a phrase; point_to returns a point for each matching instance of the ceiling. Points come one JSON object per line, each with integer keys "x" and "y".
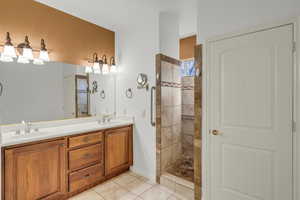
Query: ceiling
{"x": 113, "y": 14}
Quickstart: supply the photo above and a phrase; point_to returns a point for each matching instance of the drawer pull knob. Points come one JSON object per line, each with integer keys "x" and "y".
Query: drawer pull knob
{"x": 86, "y": 139}
{"x": 86, "y": 155}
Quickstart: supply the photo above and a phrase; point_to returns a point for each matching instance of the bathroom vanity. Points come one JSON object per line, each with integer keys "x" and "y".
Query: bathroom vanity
{"x": 57, "y": 167}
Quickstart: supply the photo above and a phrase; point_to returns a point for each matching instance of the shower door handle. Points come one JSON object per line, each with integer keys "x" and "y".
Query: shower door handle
{"x": 151, "y": 107}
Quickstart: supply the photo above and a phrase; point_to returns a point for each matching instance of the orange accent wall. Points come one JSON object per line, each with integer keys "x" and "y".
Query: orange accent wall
{"x": 71, "y": 39}
{"x": 187, "y": 47}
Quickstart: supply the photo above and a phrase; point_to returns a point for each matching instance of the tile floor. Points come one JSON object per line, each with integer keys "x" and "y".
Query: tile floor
{"x": 130, "y": 186}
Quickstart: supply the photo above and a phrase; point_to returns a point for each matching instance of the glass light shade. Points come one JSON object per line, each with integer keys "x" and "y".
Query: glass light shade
{"x": 96, "y": 68}
{"x": 9, "y": 51}
{"x": 88, "y": 70}
{"x": 4, "y": 58}
{"x": 113, "y": 69}
{"x": 22, "y": 60}
{"x": 44, "y": 56}
{"x": 27, "y": 53}
{"x": 105, "y": 69}
{"x": 38, "y": 61}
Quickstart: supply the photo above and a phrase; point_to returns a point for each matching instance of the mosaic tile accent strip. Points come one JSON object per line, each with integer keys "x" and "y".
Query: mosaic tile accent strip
{"x": 171, "y": 84}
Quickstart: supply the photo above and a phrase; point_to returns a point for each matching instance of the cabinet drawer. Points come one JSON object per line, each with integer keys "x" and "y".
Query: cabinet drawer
{"x": 85, "y": 156}
{"x": 85, "y": 139}
{"x": 85, "y": 177}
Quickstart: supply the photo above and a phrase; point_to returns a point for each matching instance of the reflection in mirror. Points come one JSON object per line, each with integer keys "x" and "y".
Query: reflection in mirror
{"x": 53, "y": 91}
{"x": 82, "y": 96}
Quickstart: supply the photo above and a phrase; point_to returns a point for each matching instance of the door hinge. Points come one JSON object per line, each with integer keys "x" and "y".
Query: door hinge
{"x": 294, "y": 47}
{"x": 294, "y": 126}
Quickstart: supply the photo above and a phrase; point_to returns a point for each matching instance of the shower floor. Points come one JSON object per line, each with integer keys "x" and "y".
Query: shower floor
{"x": 183, "y": 168}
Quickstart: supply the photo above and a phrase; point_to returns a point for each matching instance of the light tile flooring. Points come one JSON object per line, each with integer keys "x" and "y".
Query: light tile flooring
{"x": 129, "y": 186}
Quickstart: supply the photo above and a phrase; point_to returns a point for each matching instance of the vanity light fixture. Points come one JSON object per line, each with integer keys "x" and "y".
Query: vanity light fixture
{"x": 105, "y": 67}
{"x": 96, "y": 64}
{"x": 9, "y": 49}
{"x": 44, "y": 56}
{"x": 113, "y": 67}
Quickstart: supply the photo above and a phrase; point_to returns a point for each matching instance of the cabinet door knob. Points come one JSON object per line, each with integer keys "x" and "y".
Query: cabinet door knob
{"x": 215, "y": 132}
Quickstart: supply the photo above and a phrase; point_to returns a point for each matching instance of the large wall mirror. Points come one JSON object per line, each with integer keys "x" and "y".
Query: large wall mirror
{"x": 53, "y": 91}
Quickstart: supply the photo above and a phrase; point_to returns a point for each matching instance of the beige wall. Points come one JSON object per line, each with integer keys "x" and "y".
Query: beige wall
{"x": 71, "y": 39}
{"x": 187, "y": 47}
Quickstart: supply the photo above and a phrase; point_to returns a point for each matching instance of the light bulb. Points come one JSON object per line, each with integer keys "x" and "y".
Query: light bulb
{"x": 88, "y": 70}
{"x": 113, "y": 69}
{"x": 23, "y": 60}
{"x": 9, "y": 51}
{"x": 96, "y": 68}
{"x": 105, "y": 69}
{"x": 27, "y": 53}
{"x": 44, "y": 56}
{"x": 4, "y": 58}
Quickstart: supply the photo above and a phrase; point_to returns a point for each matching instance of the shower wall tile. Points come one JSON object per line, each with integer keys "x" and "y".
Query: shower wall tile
{"x": 176, "y": 132}
{"x": 166, "y": 158}
{"x": 188, "y": 81}
{"x": 188, "y": 97}
{"x": 177, "y": 115}
{"x": 167, "y": 72}
{"x": 166, "y": 96}
{"x": 166, "y": 116}
{"x": 176, "y": 74}
{"x": 177, "y": 99}
{"x": 188, "y": 116}
{"x": 176, "y": 152}
{"x": 187, "y": 143}
{"x": 188, "y": 109}
{"x": 167, "y": 137}
{"x": 188, "y": 126}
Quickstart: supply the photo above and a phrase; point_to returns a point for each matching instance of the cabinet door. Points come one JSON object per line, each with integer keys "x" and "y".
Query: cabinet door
{"x": 36, "y": 171}
{"x": 118, "y": 149}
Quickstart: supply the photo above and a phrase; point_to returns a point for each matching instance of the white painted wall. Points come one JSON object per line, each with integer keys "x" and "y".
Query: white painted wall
{"x": 137, "y": 45}
{"x": 187, "y": 18}
{"x": 217, "y": 17}
{"x": 169, "y": 34}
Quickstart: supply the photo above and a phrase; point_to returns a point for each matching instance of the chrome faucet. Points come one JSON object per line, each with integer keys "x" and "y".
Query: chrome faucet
{"x": 106, "y": 118}
{"x": 27, "y": 127}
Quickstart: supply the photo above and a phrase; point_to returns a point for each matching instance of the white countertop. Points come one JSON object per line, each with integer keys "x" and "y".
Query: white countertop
{"x": 10, "y": 138}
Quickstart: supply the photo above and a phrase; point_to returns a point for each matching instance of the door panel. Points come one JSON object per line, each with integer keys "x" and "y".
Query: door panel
{"x": 35, "y": 171}
{"x": 117, "y": 149}
{"x": 251, "y": 106}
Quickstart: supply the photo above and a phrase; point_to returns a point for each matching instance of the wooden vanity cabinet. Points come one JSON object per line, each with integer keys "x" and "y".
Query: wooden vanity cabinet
{"x": 118, "y": 150}
{"x": 60, "y": 168}
{"x": 36, "y": 171}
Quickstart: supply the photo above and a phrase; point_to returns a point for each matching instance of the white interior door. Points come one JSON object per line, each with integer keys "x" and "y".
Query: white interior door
{"x": 250, "y": 95}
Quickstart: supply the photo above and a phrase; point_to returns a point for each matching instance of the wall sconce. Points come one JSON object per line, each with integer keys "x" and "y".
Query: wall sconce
{"x": 105, "y": 67}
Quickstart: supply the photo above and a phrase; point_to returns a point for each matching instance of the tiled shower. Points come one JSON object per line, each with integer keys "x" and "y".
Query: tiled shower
{"x": 177, "y": 128}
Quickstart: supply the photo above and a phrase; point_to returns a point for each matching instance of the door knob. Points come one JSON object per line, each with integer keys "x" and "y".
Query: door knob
{"x": 215, "y": 132}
